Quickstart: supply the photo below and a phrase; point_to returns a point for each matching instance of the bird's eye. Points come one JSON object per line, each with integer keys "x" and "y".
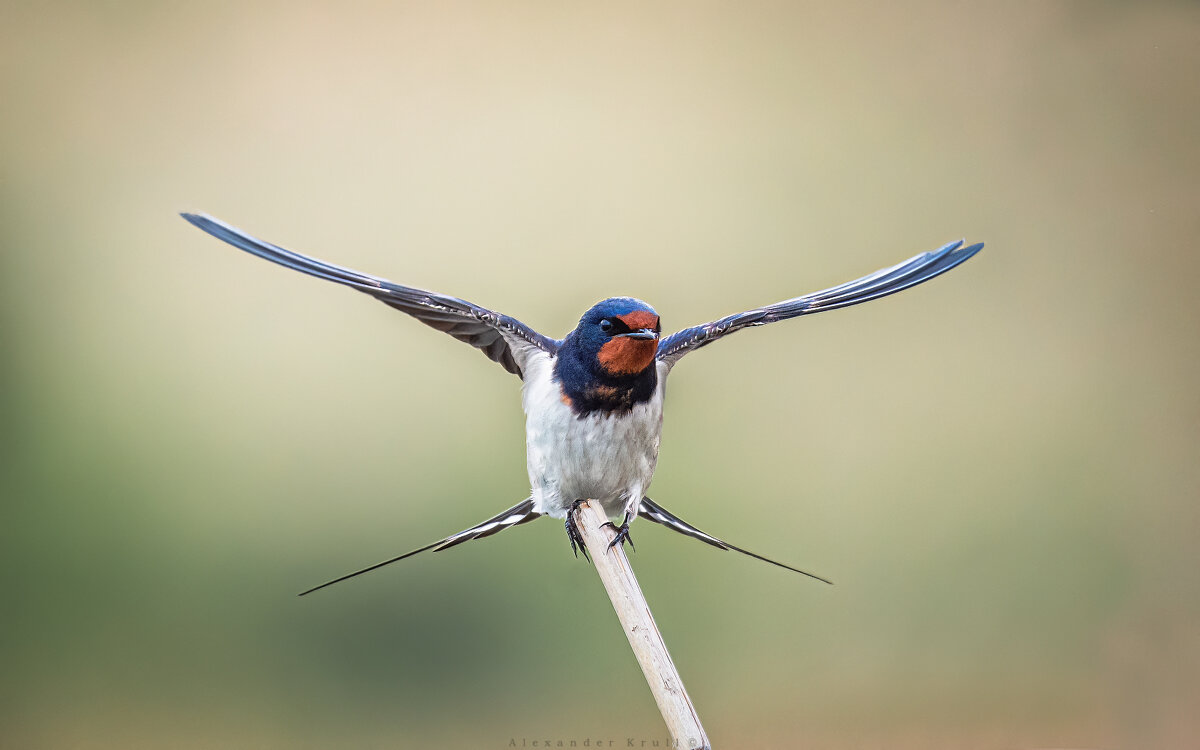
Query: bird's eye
{"x": 606, "y": 325}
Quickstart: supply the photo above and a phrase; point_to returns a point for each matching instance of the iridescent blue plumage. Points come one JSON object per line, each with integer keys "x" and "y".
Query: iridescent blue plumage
{"x": 607, "y": 364}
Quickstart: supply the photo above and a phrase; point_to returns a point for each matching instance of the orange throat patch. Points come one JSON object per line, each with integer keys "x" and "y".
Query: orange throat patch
{"x": 624, "y": 356}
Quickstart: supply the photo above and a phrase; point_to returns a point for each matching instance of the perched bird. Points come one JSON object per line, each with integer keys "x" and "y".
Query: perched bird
{"x": 594, "y": 400}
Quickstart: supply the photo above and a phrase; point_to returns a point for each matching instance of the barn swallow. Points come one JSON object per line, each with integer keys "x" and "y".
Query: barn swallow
{"x": 593, "y": 400}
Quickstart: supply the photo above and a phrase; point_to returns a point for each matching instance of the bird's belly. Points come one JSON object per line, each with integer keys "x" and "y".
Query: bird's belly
{"x": 605, "y": 457}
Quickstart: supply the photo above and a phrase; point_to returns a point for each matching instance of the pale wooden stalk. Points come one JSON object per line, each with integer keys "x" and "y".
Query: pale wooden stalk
{"x": 676, "y": 707}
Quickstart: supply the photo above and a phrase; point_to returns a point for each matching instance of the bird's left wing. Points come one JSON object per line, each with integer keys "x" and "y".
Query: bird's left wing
{"x": 501, "y": 338}
{"x": 879, "y": 284}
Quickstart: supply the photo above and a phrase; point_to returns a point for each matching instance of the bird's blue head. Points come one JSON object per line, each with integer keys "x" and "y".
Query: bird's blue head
{"x": 607, "y": 362}
{"x": 620, "y": 335}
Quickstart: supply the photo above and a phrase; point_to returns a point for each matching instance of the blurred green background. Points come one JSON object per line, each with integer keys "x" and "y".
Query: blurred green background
{"x": 1000, "y": 469}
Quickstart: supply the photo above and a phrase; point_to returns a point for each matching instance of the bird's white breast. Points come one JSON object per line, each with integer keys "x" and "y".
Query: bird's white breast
{"x": 605, "y": 457}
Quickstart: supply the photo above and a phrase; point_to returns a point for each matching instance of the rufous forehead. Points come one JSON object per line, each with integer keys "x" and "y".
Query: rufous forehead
{"x": 639, "y": 319}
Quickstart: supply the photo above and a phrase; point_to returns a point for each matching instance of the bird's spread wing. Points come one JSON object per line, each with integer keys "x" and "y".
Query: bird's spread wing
{"x": 879, "y": 284}
{"x": 520, "y": 513}
{"x": 652, "y": 511}
{"x": 503, "y": 339}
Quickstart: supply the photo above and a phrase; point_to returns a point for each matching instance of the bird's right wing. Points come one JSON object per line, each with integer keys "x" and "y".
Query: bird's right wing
{"x": 501, "y": 338}
{"x": 652, "y": 511}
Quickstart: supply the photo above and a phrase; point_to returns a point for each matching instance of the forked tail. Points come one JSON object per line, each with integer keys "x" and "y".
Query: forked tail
{"x": 520, "y": 513}
{"x": 523, "y": 512}
{"x": 651, "y": 510}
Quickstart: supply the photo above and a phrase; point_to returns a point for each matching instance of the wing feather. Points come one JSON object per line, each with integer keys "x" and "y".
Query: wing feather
{"x": 899, "y": 277}
{"x": 502, "y": 339}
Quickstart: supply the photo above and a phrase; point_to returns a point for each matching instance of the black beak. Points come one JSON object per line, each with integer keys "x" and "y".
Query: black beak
{"x": 645, "y": 333}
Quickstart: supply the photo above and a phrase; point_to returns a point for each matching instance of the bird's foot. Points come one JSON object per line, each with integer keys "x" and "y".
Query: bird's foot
{"x": 622, "y": 533}
{"x": 573, "y": 535}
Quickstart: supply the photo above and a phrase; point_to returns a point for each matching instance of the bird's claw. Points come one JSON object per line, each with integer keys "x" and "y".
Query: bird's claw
{"x": 622, "y": 535}
{"x": 573, "y": 535}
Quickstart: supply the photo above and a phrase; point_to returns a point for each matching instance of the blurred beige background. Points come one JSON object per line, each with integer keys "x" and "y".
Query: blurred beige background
{"x": 999, "y": 469}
